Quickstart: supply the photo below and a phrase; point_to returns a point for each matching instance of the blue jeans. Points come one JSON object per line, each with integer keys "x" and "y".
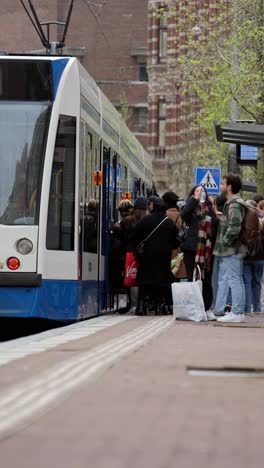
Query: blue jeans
{"x": 252, "y": 275}
{"x": 230, "y": 275}
{"x": 215, "y": 278}
{"x": 215, "y": 274}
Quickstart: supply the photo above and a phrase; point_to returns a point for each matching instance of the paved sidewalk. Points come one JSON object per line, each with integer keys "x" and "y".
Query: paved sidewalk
{"x": 148, "y": 411}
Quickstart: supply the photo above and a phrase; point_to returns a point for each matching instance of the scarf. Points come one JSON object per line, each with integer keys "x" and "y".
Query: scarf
{"x": 204, "y": 245}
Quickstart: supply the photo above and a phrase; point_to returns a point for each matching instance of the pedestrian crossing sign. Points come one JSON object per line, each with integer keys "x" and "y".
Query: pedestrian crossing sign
{"x": 209, "y": 177}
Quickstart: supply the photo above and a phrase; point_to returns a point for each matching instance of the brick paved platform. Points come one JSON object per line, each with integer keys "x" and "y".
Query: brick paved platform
{"x": 146, "y": 410}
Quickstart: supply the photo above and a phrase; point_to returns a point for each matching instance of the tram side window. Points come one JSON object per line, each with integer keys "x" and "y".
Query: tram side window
{"x": 125, "y": 185}
{"x": 91, "y": 205}
{"x": 60, "y": 229}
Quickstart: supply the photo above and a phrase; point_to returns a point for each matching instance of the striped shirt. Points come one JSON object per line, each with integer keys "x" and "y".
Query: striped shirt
{"x": 227, "y": 241}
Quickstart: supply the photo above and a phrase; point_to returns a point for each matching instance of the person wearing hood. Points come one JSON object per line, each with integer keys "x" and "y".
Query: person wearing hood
{"x": 173, "y": 211}
{"x": 151, "y": 200}
{"x": 127, "y": 224}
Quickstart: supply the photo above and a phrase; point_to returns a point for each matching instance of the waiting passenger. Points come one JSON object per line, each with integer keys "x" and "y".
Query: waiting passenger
{"x": 231, "y": 251}
{"x": 125, "y": 207}
{"x": 202, "y": 222}
{"x": 128, "y": 223}
{"x": 260, "y": 207}
{"x": 253, "y": 267}
{"x": 258, "y": 197}
{"x": 116, "y": 248}
{"x": 155, "y": 262}
{"x": 173, "y": 211}
{"x": 151, "y": 200}
{"x": 127, "y": 227}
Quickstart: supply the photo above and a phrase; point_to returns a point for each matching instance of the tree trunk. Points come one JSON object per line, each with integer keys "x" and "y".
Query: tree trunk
{"x": 260, "y": 117}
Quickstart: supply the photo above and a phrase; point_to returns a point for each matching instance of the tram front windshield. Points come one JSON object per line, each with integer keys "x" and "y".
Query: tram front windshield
{"x": 23, "y": 135}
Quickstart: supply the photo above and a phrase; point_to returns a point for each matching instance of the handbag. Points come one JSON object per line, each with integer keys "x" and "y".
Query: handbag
{"x": 178, "y": 266}
{"x": 182, "y": 233}
{"x": 188, "y": 300}
{"x": 131, "y": 268}
{"x": 176, "y": 263}
{"x": 140, "y": 248}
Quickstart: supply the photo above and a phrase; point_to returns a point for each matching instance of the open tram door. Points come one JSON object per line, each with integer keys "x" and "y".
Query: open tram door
{"x": 89, "y": 218}
{"x": 110, "y": 199}
{"x": 116, "y": 295}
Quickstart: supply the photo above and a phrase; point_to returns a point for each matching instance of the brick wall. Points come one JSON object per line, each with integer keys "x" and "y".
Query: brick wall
{"x": 114, "y": 38}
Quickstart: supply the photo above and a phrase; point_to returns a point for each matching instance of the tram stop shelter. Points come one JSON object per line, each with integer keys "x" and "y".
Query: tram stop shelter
{"x": 241, "y": 133}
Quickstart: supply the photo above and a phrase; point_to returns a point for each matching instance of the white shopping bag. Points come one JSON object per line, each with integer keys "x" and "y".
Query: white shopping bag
{"x": 188, "y": 300}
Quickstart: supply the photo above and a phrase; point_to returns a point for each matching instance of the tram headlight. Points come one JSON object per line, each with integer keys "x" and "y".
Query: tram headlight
{"x": 24, "y": 246}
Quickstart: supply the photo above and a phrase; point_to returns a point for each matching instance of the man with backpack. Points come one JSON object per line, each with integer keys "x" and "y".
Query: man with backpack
{"x": 231, "y": 251}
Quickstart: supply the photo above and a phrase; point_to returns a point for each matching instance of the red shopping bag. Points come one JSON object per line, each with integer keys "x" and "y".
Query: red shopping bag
{"x": 131, "y": 267}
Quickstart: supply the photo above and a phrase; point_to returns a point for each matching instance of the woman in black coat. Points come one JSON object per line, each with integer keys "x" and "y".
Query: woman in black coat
{"x": 154, "y": 265}
{"x": 202, "y": 223}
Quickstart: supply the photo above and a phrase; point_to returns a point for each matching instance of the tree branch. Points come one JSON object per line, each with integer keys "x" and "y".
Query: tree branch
{"x": 244, "y": 107}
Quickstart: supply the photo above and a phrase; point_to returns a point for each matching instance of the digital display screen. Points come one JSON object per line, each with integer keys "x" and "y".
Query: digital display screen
{"x": 248, "y": 153}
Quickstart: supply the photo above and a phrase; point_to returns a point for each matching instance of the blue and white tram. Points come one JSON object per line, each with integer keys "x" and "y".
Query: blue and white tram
{"x": 66, "y": 160}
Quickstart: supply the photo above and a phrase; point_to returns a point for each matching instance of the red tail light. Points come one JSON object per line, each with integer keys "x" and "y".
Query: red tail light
{"x": 13, "y": 263}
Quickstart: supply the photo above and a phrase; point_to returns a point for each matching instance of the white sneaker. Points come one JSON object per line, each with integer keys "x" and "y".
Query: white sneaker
{"x": 232, "y": 318}
{"x": 210, "y": 315}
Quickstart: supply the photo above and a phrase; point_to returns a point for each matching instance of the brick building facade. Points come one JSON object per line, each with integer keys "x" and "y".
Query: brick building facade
{"x": 122, "y": 44}
{"x": 173, "y": 135}
{"x": 109, "y": 38}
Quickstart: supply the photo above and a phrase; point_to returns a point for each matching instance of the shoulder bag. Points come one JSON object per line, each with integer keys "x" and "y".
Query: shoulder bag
{"x": 140, "y": 248}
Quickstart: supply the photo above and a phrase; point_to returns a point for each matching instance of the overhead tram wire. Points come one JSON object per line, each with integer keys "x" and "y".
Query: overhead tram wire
{"x": 87, "y": 3}
{"x": 97, "y": 5}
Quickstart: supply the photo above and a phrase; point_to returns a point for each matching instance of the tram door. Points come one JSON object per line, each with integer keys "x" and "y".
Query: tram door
{"x": 109, "y": 201}
{"x": 89, "y": 252}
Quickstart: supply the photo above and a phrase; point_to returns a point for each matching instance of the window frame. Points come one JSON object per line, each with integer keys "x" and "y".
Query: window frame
{"x": 64, "y": 205}
{"x": 161, "y": 133}
{"x": 163, "y": 39}
{"x": 143, "y": 73}
{"x": 142, "y": 123}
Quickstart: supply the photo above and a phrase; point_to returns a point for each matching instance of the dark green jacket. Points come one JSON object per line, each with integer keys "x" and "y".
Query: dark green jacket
{"x": 227, "y": 241}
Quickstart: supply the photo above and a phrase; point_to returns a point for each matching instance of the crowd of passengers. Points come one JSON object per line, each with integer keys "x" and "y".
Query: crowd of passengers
{"x": 201, "y": 231}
